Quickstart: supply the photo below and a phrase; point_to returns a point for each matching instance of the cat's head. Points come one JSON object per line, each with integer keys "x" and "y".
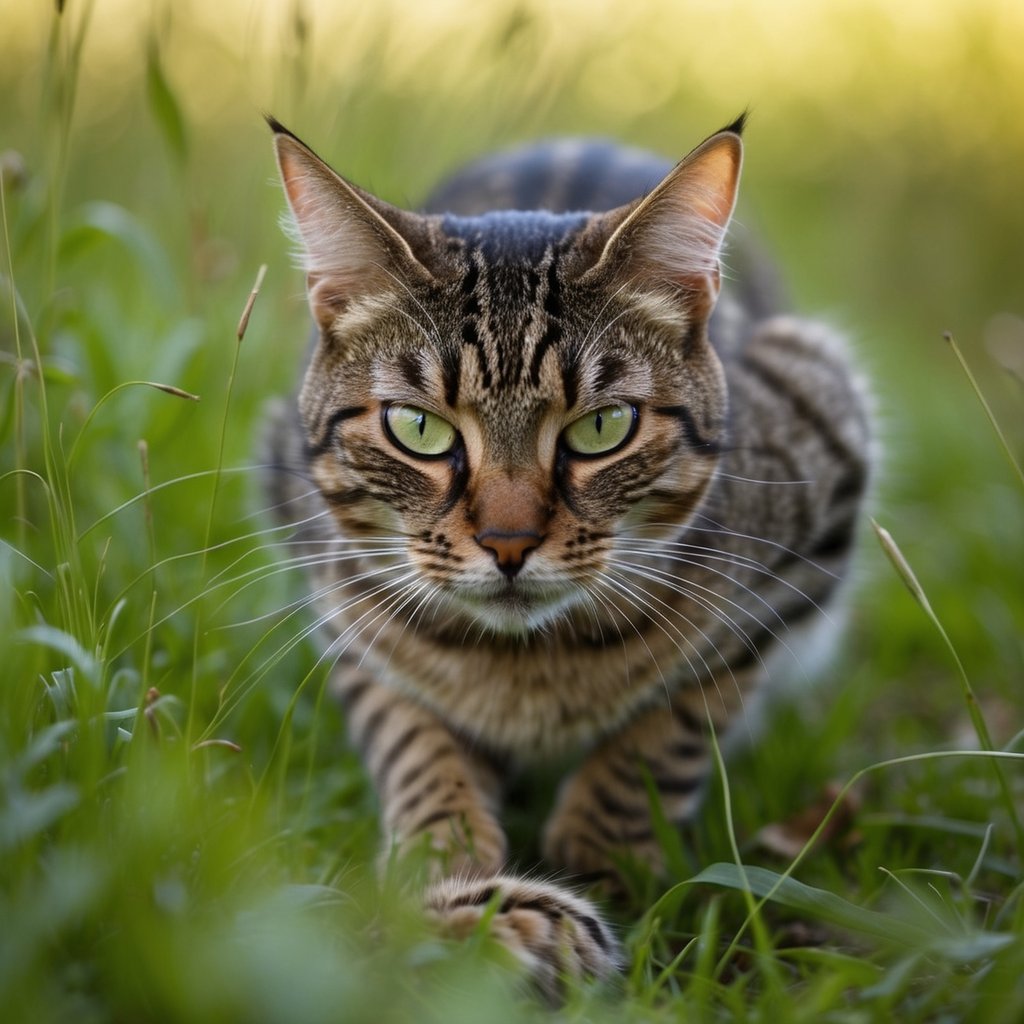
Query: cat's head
{"x": 511, "y": 393}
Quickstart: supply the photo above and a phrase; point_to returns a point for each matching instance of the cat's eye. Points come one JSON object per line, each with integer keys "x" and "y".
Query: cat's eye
{"x": 419, "y": 432}
{"x": 602, "y": 431}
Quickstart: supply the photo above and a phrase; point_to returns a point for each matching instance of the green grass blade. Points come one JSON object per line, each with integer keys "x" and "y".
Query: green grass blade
{"x": 907, "y": 574}
{"x": 164, "y": 105}
{"x": 1007, "y": 450}
{"x": 818, "y": 904}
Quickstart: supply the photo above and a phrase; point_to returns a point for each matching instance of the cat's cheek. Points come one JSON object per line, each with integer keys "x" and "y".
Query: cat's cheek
{"x": 592, "y": 506}
{"x": 600, "y": 493}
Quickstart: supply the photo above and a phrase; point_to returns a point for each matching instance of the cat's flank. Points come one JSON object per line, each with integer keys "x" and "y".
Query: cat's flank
{"x": 551, "y": 506}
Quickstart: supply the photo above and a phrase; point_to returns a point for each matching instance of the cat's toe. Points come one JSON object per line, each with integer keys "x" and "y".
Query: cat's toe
{"x": 553, "y": 933}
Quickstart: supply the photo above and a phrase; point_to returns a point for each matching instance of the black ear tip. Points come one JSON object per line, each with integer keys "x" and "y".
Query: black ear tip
{"x": 739, "y": 124}
{"x": 276, "y": 127}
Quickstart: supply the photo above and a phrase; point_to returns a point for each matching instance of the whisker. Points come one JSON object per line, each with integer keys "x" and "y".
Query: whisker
{"x": 293, "y": 499}
{"x": 753, "y": 480}
{"x": 712, "y": 676}
{"x": 436, "y": 337}
{"x": 593, "y": 598}
{"x": 340, "y": 645}
{"x": 696, "y": 564}
{"x": 246, "y": 687}
{"x": 683, "y": 588}
{"x": 620, "y": 580}
{"x": 307, "y": 599}
{"x": 700, "y": 561}
{"x": 264, "y": 572}
{"x": 145, "y": 495}
{"x": 199, "y": 553}
{"x": 718, "y": 528}
{"x": 586, "y": 345}
{"x": 411, "y": 593}
{"x": 597, "y": 337}
{"x": 602, "y": 579}
{"x": 326, "y": 543}
{"x": 425, "y": 591}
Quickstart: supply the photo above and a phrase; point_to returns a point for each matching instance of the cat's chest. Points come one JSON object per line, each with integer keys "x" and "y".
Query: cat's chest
{"x": 537, "y": 700}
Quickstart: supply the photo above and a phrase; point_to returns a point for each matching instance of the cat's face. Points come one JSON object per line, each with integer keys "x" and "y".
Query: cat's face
{"x": 509, "y": 394}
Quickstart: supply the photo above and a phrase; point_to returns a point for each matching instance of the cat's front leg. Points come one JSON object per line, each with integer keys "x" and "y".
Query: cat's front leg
{"x": 603, "y": 811}
{"x": 432, "y": 791}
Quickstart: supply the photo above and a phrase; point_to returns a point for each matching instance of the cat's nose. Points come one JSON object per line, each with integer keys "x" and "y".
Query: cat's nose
{"x": 509, "y": 549}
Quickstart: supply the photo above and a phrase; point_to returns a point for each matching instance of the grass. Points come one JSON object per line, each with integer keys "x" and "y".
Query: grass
{"x": 183, "y": 831}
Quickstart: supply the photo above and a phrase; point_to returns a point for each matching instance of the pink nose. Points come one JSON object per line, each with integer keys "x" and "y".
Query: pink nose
{"x": 510, "y": 549}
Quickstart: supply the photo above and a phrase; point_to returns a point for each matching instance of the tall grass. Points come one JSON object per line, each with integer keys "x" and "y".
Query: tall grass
{"x": 183, "y": 831}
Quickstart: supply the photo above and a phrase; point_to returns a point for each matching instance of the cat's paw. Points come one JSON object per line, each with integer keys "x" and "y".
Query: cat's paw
{"x": 553, "y": 933}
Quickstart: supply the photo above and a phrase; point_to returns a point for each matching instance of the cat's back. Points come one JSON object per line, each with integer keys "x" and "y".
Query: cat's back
{"x": 558, "y": 175}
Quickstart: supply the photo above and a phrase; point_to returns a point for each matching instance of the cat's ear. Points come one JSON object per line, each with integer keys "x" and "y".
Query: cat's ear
{"x": 353, "y": 243}
{"x": 673, "y": 237}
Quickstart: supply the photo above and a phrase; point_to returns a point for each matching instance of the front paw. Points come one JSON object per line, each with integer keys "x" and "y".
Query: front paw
{"x": 552, "y": 933}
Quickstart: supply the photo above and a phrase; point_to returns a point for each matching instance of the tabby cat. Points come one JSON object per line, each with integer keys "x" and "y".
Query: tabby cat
{"x": 551, "y": 506}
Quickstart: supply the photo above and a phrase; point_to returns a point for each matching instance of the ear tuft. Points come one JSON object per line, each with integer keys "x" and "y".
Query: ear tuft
{"x": 737, "y": 126}
{"x": 275, "y": 126}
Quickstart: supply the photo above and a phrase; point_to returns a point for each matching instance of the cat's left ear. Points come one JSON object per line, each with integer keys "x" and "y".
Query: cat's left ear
{"x": 354, "y": 244}
{"x": 673, "y": 237}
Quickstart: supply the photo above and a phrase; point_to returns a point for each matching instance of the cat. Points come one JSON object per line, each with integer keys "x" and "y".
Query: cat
{"x": 556, "y": 498}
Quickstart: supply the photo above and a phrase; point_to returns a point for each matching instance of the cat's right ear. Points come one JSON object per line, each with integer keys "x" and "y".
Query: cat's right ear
{"x": 673, "y": 237}
{"x": 353, "y": 244}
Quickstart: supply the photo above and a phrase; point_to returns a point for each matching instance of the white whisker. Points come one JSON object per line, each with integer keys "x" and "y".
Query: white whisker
{"x": 664, "y": 579}
{"x": 698, "y": 560}
{"x": 275, "y": 658}
{"x": 436, "y": 336}
{"x": 711, "y": 675}
{"x": 603, "y": 580}
{"x": 586, "y": 345}
{"x": 592, "y": 597}
{"x": 694, "y": 562}
{"x": 311, "y": 597}
{"x": 425, "y": 592}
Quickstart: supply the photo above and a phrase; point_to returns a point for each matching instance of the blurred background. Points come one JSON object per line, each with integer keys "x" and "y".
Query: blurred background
{"x": 885, "y": 148}
{"x": 885, "y": 151}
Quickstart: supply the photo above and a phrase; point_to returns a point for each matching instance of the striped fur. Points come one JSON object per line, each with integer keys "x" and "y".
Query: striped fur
{"x": 510, "y": 600}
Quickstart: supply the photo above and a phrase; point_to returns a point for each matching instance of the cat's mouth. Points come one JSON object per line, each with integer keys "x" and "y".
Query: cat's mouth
{"x": 515, "y": 606}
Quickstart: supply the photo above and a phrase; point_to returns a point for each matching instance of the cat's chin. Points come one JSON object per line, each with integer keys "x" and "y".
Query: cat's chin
{"x": 515, "y": 610}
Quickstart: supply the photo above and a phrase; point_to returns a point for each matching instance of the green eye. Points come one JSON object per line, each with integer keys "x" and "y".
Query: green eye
{"x": 419, "y": 432}
{"x": 601, "y": 431}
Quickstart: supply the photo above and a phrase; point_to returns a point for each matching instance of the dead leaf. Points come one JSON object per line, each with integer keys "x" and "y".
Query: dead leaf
{"x": 788, "y": 838}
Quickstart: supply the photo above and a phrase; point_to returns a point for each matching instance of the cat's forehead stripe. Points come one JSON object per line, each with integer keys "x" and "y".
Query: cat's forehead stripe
{"x": 511, "y": 308}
